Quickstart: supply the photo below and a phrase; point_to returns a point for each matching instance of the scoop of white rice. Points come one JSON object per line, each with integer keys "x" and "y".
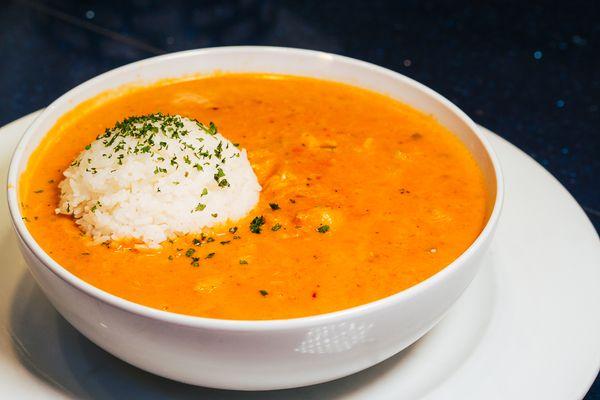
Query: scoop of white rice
{"x": 154, "y": 177}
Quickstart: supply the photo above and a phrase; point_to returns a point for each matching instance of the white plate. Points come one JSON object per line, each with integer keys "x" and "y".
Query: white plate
{"x": 528, "y": 327}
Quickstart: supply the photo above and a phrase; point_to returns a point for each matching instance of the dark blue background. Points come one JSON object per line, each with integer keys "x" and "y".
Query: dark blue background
{"x": 530, "y": 71}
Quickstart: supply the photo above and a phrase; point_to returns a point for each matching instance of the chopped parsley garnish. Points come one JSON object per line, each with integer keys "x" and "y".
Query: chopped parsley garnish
{"x": 276, "y": 227}
{"x": 197, "y": 242}
{"x": 200, "y": 207}
{"x": 256, "y": 224}
{"x": 153, "y": 134}
{"x": 323, "y": 228}
{"x": 210, "y": 240}
{"x": 210, "y": 255}
{"x": 93, "y": 209}
{"x": 274, "y": 206}
{"x": 219, "y": 178}
{"x": 39, "y": 191}
{"x": 233, "y": 229}
{"x": 211, "y": 129}
{"x": 263, "y": 292}
{"x": 242, "y": 261}
{"x": 219, "y": 174}
{"x": 190, "y": 252}
{"x": 225, "y": 242}
{"x": 219, "y": 150}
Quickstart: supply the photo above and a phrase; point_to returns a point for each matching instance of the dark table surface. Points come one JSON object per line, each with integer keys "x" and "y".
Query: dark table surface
{"x": 529, "y": 71}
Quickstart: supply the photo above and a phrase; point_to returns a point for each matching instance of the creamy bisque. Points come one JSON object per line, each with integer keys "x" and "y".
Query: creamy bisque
{"x": 362, "y": 197}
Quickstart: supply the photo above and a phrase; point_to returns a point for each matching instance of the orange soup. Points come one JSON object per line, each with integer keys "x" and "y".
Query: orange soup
{"x": 362, "y": 197}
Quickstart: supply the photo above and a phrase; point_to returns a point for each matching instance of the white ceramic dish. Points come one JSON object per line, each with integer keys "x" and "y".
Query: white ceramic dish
{"x": 526, "y": 328}
{"x": 257, "y": 355}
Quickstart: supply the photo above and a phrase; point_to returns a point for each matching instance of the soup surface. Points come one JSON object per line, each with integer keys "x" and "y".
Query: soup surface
{"x": 362, "y": 197}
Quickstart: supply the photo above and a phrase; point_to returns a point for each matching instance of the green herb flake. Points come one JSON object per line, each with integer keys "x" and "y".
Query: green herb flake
{"x": 323, "y": 228}
{"x": 263, "y": 292}
{"x": 210, "y": 255}
{"x": 242, "y": 261}
{"x": 89, "y": 146}
{"x": 190, "y": 252}
{"x": 212, "y": 129}
{"x": 39, "y": 191}
{"x": 94, "y": 207}
{"x": 276, "y": 227}
{"x": 200, "y": 207}
{"x": 219, "y": 178}
{"x": 274, "y": 206}
{"x": 233, "y": 229}
{"x": 256, "y": 224}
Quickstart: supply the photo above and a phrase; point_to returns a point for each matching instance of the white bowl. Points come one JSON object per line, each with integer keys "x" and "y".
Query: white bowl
{"x": 257, "y": 355}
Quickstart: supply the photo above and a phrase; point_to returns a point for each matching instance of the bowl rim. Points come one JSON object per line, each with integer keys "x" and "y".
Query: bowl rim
{"x": 234, "y": 324}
